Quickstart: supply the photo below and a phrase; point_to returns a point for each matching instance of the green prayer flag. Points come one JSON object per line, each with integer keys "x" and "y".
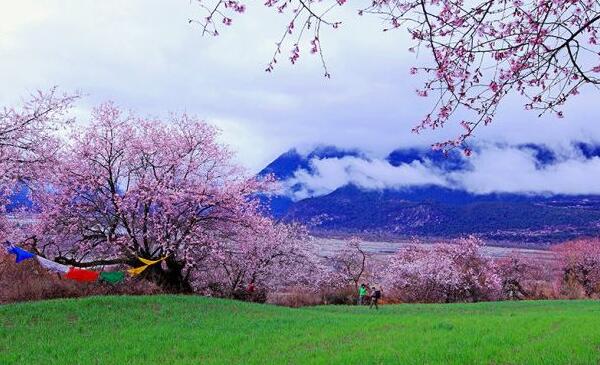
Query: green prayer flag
{"x": 113, "y": 277}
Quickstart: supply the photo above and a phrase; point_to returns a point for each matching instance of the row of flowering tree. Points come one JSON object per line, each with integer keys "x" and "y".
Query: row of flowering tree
{"x": 121, "y": 187}
{"x": 460, "y": 271}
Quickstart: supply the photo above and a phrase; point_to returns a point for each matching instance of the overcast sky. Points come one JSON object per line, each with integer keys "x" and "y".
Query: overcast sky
{"x": 144, "y": 55}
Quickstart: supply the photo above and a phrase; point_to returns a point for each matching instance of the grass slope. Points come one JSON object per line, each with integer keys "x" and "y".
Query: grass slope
{"x": 196, "y": 330}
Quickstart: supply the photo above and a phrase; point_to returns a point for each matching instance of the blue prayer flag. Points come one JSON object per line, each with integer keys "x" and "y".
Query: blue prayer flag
{"x": 21, "y": 254}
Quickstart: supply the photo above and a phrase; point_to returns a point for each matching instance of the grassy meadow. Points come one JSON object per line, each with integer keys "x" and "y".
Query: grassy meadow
{"x": 197, "y": 330}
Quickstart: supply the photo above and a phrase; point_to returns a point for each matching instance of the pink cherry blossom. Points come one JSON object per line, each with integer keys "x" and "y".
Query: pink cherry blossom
{"x": 29, "y": 142}
{"x": 579, "y": 263}
{"x": 443, "y": 273}
{"x": 127, "y": 187}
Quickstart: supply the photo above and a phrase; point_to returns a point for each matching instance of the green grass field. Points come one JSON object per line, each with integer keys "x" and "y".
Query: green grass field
{"x": 196, "y": 330}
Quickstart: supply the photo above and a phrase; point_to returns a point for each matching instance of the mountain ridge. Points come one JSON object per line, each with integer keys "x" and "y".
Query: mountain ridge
{"x": 436, "y": 211}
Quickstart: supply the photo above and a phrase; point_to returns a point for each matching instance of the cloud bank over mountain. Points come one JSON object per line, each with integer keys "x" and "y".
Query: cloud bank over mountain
{"x": 493, "y": 168}
{"x": 518, "y": 170}
{"x": 330, "y": 174}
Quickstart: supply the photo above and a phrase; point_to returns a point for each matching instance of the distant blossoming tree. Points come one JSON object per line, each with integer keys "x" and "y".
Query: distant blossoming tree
{"x": 580, "y": 264}
{"x": 28, "y": 135}
{"x": 126, "y": 187}
{"x": 520, "y": 275}
{"x": 29, "y": 142}
{"x": 443, "y": 273}
{"x": 351, "y": 263}
{"x": 482, "y": 50}
{"x": 273, "y": 257}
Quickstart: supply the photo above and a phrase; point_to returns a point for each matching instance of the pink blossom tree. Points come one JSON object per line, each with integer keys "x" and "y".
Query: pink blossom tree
{"x": 28, "y": 135}
{"x": 351, "y": 263}
{"x": 443, "y": 273}
{"x": 29, "y": 141}
{"x": 481, "y": 51}
{"x": 274, "y": 257}
{"x": 579, "y": 263}
{"x": 128, "y": 187}
{"x": 520, "y": 275}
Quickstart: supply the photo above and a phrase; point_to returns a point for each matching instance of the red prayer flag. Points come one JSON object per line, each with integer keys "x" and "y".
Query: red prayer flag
{"x": 82, "y": 275}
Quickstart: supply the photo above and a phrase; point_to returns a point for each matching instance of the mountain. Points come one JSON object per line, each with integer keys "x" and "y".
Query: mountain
{"x": 284, "y": 167}
{"x": 431, "y": 210}
{"x": 19, "y": 199}
{"x": 439, "y": 212}
{"x": 291, "y": 161}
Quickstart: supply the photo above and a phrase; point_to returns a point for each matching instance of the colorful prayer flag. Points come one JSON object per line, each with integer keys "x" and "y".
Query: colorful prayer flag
{"x": 82, "y": 275}
{"x": 52, "y": 266}
{"x": 112, "y": 277}
{"x": 21, "y": 254}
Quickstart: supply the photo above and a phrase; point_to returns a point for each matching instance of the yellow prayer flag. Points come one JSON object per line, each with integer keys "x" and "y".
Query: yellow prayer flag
{"x": 137, "y": 270}
{"x": 150, "y": 262}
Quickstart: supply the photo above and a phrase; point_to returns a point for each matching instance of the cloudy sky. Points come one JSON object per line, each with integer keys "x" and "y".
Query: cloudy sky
{"x": 144, "y": 55}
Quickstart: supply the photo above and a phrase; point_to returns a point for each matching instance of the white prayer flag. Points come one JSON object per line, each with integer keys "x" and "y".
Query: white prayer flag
{"x": 52, "y": 266}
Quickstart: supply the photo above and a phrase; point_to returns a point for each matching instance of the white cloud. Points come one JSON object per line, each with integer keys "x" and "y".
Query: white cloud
{"x": 512, "y": 170}
{"x": 492, "y": 169}
{"x": 331, "y": 173}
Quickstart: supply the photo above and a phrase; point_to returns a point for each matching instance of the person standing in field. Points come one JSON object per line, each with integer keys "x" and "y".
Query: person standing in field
{"x": 362, "y": 292}
{"x": 375, "y": 295}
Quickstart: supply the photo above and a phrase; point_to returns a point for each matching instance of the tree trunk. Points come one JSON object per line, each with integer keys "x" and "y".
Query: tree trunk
{"x": 172, "y": 280}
